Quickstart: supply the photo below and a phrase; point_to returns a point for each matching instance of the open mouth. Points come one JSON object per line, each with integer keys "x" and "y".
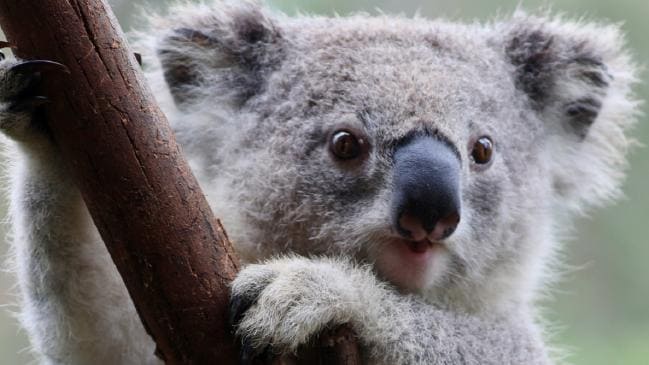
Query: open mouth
{"x": 417, "y": 250}
{"x": 419, "y": 246}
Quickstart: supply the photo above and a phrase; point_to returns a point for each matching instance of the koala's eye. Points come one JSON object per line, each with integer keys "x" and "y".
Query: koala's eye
{"x": 345, "y": 145}
{"x": 482, "y": 150}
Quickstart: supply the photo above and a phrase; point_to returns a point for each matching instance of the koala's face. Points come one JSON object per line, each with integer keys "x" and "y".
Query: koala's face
{"x": 410, "y": 144}
{"x": 436, "y": 152}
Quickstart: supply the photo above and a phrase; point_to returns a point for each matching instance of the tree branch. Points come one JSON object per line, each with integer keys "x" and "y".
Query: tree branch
{"x": 172, "y": 253}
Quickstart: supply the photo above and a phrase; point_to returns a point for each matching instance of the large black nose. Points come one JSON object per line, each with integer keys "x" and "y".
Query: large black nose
{"x": 426, "y": 196}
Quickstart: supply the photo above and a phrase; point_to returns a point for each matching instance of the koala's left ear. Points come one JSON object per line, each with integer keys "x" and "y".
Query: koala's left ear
{"x": 224, "y": 50}
{"x": 578, "y": 79}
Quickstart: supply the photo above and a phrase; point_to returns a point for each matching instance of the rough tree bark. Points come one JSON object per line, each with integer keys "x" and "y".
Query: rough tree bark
{"x": 172, "y": 253}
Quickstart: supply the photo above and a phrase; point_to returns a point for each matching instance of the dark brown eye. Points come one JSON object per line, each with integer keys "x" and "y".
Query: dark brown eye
{"x": 482, "y": 150}
{"x": 345, "y": 145}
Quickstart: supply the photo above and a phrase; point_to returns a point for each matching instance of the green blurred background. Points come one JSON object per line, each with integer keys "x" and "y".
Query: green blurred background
{"x": 600, "y": 310}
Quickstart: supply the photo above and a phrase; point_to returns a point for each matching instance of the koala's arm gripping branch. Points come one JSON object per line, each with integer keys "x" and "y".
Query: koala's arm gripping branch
{"x": 172, "y": 253}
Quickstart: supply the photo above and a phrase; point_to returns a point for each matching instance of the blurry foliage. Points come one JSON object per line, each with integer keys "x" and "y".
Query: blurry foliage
{"x": 601, "y": 309}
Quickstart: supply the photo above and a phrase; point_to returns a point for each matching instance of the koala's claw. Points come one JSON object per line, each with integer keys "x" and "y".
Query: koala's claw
{"x": 245, "y": 295}
{"x": 28, "y": 104}
{"x": 19, "y": 102}
{"x": 37, "y": 66}
{"x": 247, "y": 354}
{"x": 239, "y": 305}
{"x": 251, "y": 355}
{"x": 19, "y": 81}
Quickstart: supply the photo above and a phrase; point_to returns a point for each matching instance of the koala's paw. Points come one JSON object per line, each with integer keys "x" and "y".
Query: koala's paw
{"x": 278, "y": 306}
{"x": 19, "y": 102}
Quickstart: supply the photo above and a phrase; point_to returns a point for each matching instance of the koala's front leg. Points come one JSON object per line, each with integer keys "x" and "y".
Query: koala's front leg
{"x": 74, "y": 305}
{"x": 285, "y": 303}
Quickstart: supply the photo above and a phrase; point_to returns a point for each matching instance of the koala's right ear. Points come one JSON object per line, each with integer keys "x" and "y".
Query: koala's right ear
{"x": 223, "y": 51}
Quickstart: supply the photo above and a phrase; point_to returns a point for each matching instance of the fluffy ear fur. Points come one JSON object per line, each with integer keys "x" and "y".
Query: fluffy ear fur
{"x": 224, "y": 50}
{"x": 578, "y": 78}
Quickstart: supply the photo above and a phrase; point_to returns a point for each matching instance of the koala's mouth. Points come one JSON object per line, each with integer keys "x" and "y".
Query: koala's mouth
{"x": 410, "y": 265}
{"x": 419, "y": 247}
{"x": 420, "y": 252}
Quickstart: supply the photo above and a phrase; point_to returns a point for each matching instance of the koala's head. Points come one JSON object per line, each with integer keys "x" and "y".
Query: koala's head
{"x": 446, "y": 155}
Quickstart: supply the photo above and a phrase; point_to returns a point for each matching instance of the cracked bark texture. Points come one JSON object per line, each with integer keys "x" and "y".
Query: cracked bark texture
{"x": 172, "y": 253}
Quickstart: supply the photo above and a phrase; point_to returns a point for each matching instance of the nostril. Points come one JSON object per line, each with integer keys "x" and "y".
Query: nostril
{"x": 445, "y": 227}
{"x": 411, "y": 227}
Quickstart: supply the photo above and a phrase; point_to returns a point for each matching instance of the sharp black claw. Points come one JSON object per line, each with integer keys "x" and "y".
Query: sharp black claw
{"x": 30, "y": 67}
{"x": 239, "y": 305}
{"x": 250, "y": 355}
{"x": 247, "y": 354}
{"x": 39, "y": 100}
{"x": 138, "y": 58}
{"x": 30, "y": 103}
{"x": 267, "y": 355}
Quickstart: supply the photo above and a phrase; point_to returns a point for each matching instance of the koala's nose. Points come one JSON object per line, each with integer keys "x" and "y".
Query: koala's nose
{"x": 426, "y": 195}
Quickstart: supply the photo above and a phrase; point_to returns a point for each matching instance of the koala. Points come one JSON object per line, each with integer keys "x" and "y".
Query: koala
{"x": 410, "y": 178}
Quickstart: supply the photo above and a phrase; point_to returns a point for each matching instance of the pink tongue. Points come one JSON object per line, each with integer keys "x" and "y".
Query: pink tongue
{"x": 419, "y": 246}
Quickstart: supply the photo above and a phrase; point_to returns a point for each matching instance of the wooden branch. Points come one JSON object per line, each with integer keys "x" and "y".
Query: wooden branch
{"x": 171, "y": 252}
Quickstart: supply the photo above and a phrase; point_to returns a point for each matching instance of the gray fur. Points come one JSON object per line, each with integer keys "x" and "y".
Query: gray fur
{"x": 254, "y": 95}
